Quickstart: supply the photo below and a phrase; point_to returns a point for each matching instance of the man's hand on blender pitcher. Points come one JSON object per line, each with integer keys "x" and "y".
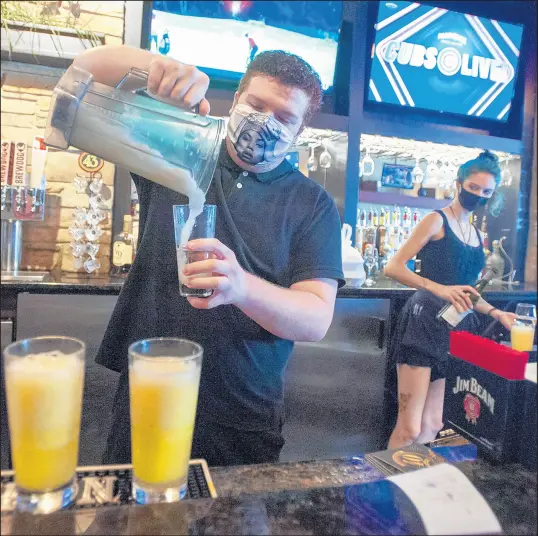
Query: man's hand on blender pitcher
{"x": 181, "y": 84}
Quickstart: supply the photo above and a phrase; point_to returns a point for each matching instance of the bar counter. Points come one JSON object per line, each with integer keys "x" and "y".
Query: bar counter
{"x": 294, "y": 498}
{"x": 383, "y": 289}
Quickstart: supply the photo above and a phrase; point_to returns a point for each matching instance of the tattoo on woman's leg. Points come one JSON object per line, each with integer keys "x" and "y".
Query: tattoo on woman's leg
{"x": 404, "y": 402}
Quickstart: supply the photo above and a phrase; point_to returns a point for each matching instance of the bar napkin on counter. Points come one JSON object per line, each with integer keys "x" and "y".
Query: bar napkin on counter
{"x": 488, "y": 355}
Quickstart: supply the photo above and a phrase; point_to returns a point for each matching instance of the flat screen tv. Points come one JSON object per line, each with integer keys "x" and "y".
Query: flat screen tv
{"x": 221, "y": 37}
{"x": 431, "y": 58}
{"x": 397, "y": 176}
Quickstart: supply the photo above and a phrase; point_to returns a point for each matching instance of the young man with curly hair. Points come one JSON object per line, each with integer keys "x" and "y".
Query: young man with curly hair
{"x": 277, "y": 252}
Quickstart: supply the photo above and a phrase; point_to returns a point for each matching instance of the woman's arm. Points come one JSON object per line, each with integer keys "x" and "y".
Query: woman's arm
{"x": 177, "y": 83}
{"x": 397, "y": 269}
{"x": 504, "y": 317}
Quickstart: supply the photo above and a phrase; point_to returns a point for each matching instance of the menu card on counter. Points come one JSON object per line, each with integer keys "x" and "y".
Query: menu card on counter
{"x": 435, "y": 500}
{"x": 411, "y": 458}
{"x": 447, "y": 502}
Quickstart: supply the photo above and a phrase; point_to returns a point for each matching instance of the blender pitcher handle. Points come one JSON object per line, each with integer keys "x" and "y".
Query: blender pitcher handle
{"x": 135, "y": 79}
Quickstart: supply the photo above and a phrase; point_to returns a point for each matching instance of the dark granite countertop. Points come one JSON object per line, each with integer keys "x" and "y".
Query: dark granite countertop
{"x": 384, "y": 289}
{"x": 295, "y": 498}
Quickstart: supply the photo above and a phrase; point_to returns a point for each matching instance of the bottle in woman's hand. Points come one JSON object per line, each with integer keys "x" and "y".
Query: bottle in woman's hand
{"x": 462, "y": 299}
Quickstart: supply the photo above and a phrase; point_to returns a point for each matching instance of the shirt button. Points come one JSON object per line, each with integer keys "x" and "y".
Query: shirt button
{"x": 239, "y": 185}
{"x": 245, "y": 173}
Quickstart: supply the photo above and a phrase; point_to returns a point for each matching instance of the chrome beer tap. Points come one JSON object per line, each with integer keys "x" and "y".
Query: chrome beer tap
{"x": 3, "y": 198}
{"x": 19, "y": 201}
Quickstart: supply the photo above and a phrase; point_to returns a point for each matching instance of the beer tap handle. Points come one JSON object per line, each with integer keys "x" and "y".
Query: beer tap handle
{"x": 18, "y": 199}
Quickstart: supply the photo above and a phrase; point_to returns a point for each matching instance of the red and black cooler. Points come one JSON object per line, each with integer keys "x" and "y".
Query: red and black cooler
{"x": 488, "y": 399}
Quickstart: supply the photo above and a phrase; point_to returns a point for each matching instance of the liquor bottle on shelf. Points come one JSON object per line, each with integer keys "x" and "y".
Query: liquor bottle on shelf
{"x": 369, "y": 238}
{"x": 123, "y": 249}
{"x": 396, "y": 216}
{"x": 375, "y": 218}
{"x": 363, "y": 219}
{"x": 359, "y": 233}
{"x": 406, "y": 217}
{"x": 381, "y": 233}
{"x": 383, "y": 217}
{"x": 416, "y": 218}
{"x": 370, "y": 218}
{"x": 450, "y": 314}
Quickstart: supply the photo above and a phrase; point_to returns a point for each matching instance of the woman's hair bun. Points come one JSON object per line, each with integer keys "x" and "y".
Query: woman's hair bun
{"x": 488, "y": 155}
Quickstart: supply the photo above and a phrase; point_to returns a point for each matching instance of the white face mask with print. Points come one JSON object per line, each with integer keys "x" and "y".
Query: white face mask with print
{"x": 260, "y": 141}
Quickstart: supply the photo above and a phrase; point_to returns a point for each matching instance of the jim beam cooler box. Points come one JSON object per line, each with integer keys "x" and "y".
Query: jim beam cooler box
{"x": 527, "y": 448}
{"x": 486, "y": 408}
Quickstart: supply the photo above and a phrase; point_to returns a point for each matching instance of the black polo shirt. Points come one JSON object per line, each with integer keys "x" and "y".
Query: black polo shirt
{"x": 282, "y": 227}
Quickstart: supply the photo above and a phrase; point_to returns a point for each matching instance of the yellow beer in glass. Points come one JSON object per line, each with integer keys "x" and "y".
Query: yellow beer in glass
{"x": 164, "y": 376}
{"x": 522, "y": 331}
{"x": 44, "y": 385}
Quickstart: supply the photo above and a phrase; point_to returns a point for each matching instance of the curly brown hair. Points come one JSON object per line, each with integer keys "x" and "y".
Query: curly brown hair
{"x": 291, "y": 71}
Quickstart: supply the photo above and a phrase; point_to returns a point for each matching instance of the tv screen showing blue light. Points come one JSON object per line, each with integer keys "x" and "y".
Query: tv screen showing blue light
{"x": 431, "y": 58}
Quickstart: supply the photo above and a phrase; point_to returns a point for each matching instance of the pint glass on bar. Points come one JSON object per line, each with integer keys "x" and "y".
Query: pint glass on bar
{"x": 44, "y": 384}
{"x": 204, "y": 227}
{"x": 164, "y": 375}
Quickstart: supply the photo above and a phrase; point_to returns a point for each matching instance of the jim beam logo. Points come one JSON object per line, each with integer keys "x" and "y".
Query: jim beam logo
{"x": 92, "y": 491}
{"x": 471, "y": 401}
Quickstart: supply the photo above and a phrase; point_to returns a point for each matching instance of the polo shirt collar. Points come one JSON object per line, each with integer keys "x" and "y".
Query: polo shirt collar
{"x": 226, "y": 161}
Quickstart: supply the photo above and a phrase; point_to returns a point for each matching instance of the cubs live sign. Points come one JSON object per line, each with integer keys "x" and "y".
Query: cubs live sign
{"x": 431, "y": 58}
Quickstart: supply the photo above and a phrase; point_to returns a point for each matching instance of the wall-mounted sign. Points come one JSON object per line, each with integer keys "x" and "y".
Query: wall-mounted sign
{"x": 90, "y": 163}
{"x": 431, "y": 58}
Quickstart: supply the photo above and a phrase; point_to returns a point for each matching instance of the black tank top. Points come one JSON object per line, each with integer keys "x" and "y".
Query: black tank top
{"x": 449, "y": 261}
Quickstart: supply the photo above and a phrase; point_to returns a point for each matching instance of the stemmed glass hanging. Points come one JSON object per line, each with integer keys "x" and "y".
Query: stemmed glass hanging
{"x": 452, "y": 172}
{"x": 368, "y": 165}
{"x": 325, "y": 158}
{"x": 444, "y": 173}
{"x": 432, "y": 173}
{"x": 417, "y": 172}
{"x": 81, "y": 184}
{"x": 506, "y": 174}
{"x": 312, "y": 164}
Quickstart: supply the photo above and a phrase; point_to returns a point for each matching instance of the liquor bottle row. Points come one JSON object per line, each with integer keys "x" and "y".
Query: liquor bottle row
{"x": 386, "y": 229}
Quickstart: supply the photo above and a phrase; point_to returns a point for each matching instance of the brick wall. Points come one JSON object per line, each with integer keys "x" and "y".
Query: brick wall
{"x": 25, "y": 102}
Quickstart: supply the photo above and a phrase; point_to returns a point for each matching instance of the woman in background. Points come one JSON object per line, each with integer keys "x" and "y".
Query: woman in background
{"x": 451, "y": 253}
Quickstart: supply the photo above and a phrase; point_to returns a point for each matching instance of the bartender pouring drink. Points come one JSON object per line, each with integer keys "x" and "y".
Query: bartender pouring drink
{"x": 451, "y": 252}
{"x": 276, "y": 262}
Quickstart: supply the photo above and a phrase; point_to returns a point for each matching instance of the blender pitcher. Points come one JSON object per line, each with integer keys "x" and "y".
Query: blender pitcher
{"x": 158, "y": 141}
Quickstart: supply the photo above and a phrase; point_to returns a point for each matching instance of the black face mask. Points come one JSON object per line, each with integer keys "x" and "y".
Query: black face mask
{"x": 470, "y": 201}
